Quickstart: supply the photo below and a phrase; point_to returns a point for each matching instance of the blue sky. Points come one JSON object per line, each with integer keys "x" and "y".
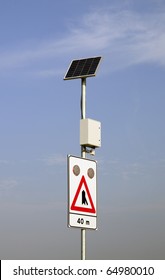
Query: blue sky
{"x": 39, "y": 124}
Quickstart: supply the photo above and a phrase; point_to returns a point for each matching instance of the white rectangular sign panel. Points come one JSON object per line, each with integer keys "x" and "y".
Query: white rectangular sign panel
{"x": 82, "y": 198}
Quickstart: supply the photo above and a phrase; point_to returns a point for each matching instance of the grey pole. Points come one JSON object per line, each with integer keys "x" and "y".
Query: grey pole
{"x": 83, "y": 155}
{"x": 84, "y": 68}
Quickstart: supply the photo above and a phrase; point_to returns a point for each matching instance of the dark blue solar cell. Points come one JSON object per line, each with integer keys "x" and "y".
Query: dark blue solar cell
{"x": 82, "y": 68}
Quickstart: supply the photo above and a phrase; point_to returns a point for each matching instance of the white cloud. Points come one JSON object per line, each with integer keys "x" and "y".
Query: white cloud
{"x": 124, "y": 37}
{"x": 54, "y": 159}
{"x": 4, "y": 161}
{"x": 8, "y": 184}
{"x": 49, "y": 73}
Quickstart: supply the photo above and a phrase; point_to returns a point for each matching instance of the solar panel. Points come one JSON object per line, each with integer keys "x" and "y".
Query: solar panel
{"x": 82, "y": 68}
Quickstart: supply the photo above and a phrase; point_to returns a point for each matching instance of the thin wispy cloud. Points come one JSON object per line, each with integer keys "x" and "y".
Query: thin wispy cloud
{"x": 131, "y": 170}
{"x": 8, "y": 184}
{"x": 49, "y": 73}
{"x": 136, "y": 208}
{"x": 4, "y": 162}
{"x": 123, "y": 37}
{"x": 54, "y": 159}
{"x": 125, "y": 170}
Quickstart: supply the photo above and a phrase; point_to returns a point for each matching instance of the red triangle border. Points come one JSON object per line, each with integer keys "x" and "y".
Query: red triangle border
{"x": 79, "y": 208}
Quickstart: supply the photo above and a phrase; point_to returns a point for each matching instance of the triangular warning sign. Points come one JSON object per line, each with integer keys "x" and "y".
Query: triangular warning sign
{"x": 91, "y": 208}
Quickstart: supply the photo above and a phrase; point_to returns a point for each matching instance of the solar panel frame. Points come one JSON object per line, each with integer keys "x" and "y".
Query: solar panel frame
{"x": 83, "y": 68}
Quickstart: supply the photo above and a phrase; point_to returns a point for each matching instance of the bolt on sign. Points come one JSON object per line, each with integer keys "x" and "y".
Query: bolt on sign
{"x": 82, "y": 198}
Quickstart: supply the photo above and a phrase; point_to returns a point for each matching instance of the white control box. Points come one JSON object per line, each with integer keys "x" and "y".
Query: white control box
{"x": 90, "y": 133}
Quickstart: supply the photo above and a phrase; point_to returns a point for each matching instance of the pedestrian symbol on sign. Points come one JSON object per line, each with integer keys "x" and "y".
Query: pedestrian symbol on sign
{"x": 84, "y": 200}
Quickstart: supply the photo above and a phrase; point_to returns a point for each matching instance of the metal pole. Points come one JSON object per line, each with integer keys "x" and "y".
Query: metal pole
{"x": 83, "y": 155}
